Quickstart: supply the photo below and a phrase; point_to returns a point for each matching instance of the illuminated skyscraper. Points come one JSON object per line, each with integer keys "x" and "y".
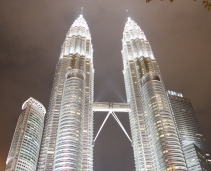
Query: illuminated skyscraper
{"x": 25, "y": 146}
{"x": 155, "y": 140}
{"x": 186, "y": 121}
{"x": 192, "y": 139}
{"x": 68, "y": 133}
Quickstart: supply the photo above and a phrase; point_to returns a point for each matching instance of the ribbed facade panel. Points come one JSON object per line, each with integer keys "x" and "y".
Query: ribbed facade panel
{"x": 52, "y": 119}
{"x": 68, "y": 153}
{"x": 87, "y": 152}
{"x": 167, "y": 147}
{"x": 140, "y": 136}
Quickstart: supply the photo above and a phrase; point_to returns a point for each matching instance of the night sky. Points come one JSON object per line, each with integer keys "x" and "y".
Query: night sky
{"x": 31, "y": 35}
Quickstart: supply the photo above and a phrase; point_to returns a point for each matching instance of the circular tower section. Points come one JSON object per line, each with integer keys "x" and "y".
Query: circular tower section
{"x": 68, "y": 154}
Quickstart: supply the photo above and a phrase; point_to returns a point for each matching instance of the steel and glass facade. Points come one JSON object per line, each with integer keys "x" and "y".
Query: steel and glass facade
{"x": 192, "y": 139}
{"x": 196, "y": 158}
{"x": 25, "y": 146}
{"x": 155, "y": 140}
{"x": 68, "y": 133}
{"x": 186, "y": 121}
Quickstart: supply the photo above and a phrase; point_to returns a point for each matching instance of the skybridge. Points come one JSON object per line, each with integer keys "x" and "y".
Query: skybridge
{"x": 112, "y": 108}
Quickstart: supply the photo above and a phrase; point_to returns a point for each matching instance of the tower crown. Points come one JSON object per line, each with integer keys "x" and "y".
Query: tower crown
{"x": 80, "y": 22}
{"x": 78, "y": 39}
{"x": 35, "y": 103}
{"x": 132, "y": 27}
{"x": 135, "y": 44}
{"x": 79, "y": 28}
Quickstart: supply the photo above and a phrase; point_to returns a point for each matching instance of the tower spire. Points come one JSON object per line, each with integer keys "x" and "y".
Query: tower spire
{"x": 82, "y": 11}
{"x": 128, "y": 14}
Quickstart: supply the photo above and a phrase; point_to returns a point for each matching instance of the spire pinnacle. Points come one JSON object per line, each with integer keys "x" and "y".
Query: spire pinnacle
{"x": 128, "y": 15}
{"x": 82, "y": 11}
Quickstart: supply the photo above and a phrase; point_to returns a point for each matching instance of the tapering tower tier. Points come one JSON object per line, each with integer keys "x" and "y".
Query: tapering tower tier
{"x": 136, "y": 42}
{"x": 68, "y": 133}
{"x": 155, "y": 139}
{"x": 78, "y": 40}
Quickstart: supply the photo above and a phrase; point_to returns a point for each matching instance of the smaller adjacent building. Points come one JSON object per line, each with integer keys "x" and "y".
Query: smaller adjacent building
{"x": 191, "y": 136}
{"x": 25, "y": 146}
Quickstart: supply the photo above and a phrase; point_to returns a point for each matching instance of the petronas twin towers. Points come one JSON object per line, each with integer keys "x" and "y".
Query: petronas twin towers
{"x": 67, "y": 141}
{"x": 68, "y": 134}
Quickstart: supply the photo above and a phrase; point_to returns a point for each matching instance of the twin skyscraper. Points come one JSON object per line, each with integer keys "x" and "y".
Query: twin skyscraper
{"x": 162, "y": 140}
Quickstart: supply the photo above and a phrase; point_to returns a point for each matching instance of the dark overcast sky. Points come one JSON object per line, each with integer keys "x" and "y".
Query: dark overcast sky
{"x": 31, "y": 35}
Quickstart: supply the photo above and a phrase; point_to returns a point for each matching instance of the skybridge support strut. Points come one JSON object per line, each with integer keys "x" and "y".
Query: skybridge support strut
{"x": 120, "y": 124}
{"x": 118, "y": 121}
{"x": 102, "y": 125}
